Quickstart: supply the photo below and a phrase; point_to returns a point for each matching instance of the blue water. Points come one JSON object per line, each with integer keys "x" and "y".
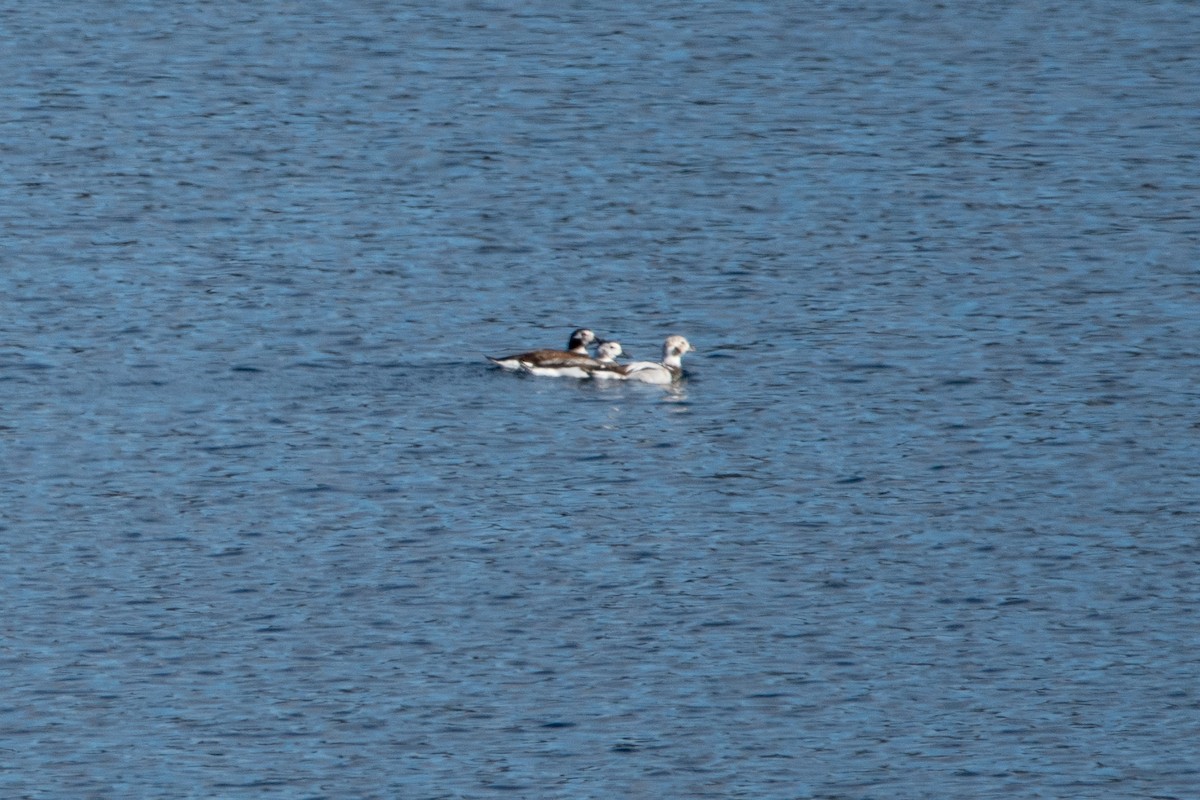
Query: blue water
{"x": 920, "y": 521}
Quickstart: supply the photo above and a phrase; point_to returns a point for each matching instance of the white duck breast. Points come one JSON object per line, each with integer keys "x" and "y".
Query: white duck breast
{"x": 573, "y": 358}
{"x": 555, "y": 368}
{"x": 671, "y": 368}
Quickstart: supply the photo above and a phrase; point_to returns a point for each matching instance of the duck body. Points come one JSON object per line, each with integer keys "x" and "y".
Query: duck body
{"x": 651, "y": 372}
{"x": 550, "y": 364}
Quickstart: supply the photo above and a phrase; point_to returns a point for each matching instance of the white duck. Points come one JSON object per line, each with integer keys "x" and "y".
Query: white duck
{"x": 669, "y": 371}
{"x": 609, "y": 369}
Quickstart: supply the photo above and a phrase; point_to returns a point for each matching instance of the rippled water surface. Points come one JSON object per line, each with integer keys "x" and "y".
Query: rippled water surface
{"x": 920, "y": 521}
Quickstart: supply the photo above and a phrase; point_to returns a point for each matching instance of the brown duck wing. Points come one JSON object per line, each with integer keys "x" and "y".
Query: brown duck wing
{"x": 556, "y": 358}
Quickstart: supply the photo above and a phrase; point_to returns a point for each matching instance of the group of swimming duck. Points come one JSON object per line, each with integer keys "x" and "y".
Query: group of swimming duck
{"x": 577, "y": 362}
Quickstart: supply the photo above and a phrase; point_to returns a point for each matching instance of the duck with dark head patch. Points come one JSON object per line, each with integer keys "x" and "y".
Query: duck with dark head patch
{"x": 571, "y": 362}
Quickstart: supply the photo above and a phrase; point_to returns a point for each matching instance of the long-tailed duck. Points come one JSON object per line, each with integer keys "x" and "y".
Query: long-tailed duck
{"x": 608, "y": 369}
{"x": 551, "y": 362}
{"x": 665, "y": 373}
